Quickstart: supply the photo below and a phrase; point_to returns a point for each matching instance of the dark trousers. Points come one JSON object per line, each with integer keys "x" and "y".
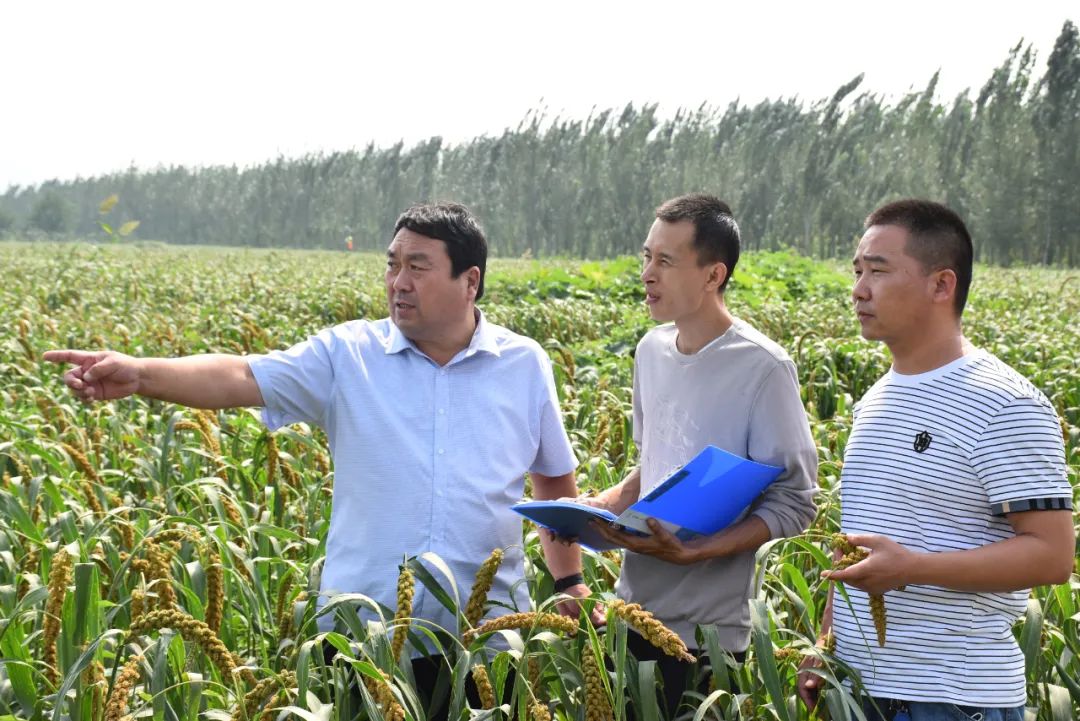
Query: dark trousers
{"x": 434, "y": 692}
{"x": 676, "y": 674}
{"x": 426, "y": 671}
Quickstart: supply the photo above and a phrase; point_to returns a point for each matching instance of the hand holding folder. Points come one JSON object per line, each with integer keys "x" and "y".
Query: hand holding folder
{"x": 699, "y": 499}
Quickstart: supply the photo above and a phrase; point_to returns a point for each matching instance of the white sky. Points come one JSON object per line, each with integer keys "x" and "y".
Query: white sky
{"x": 90, "y": 88}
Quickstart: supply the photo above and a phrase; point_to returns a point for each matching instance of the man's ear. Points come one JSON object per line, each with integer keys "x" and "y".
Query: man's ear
{"x": 718, "y": 273}
{"x": 944, "y": 285}
{"x": 472, "y": 281}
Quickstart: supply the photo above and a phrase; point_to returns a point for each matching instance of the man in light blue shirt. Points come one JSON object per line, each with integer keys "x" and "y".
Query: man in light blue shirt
{"x": 433, "y": 416}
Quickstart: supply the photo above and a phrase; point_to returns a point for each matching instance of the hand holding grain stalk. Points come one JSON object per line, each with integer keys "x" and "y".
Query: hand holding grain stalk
{"x": 851, "y": 555}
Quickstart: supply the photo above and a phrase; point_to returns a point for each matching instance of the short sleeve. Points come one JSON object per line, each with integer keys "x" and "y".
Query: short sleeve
{"x": 554, "y": 456}
{"x": 297, "y": 383}
{"x": 1020, "y": 459}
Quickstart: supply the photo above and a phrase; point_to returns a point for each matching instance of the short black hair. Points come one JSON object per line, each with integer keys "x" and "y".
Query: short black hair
{"x": 716, "y": 234}
{"x": 938, "y": 239}
{"x": 455, "y": 225}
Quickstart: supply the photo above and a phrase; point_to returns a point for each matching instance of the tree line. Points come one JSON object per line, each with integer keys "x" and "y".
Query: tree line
{"x": 797, "y": 175}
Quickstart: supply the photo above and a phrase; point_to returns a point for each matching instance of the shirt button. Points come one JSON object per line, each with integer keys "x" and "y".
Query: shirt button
{"x": 442, "y": 411}
{"x": 441, "y": 451}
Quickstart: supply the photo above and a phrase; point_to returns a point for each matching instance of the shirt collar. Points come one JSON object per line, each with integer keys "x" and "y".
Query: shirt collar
{"x": 483, "y": 339}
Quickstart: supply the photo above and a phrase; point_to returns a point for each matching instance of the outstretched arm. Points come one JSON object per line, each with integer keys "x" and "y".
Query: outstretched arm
{"x": 200, "y": 381}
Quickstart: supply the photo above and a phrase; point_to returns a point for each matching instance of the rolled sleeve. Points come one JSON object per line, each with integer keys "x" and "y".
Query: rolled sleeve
{"x": 1020, "y": 459}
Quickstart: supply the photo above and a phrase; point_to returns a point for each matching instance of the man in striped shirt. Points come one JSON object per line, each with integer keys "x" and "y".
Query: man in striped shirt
{"x": 955, "y": 481}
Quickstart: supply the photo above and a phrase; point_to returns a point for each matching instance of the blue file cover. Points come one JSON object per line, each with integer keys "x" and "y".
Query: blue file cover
{"x": 699, "y": 499}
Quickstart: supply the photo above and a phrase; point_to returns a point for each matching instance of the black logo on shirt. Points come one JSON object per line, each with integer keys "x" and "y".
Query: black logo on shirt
{"x": 922, "y": 441}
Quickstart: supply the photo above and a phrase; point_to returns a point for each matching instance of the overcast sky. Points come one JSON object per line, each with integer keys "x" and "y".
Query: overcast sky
{"x": 90, "y": 88}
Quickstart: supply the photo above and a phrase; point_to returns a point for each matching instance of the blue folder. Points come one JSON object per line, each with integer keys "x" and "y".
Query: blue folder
{"x": 704, "y": 496}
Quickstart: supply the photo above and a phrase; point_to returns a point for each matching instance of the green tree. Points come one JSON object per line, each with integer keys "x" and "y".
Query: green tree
{"x": 51, "y": 214}
{"x": 1004, "y": 166}
{"x": 1057, "y": 125}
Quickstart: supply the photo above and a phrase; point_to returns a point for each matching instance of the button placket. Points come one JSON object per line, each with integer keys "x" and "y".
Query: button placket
{"x": 440, "y": 458}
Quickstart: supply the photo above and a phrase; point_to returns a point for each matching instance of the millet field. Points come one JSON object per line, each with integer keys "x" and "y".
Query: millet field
{"x": 162, "y": 563}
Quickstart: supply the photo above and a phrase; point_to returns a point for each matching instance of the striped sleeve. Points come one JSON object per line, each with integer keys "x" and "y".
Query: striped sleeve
{"x": 1020, "y": 459}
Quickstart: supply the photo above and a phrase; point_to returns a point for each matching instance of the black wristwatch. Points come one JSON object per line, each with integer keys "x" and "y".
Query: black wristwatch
{"x": 561, "y": 584}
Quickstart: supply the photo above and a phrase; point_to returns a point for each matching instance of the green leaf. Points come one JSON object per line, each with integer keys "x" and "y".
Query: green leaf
{"x": 127, "y": 228}
{"x": 424, "y": 577}
{"x": 282, "y": 534}
{"x": 650, "y": 709}
{"x": 18, "y": 666}
{"x": 1031, "y": 635}
{"x": 710, "y": 636}
{"x": 87, "y": 601}
{"x": 458, "y": 698}
{"x": 1060, "y": 705}
{"x": 763, "y": 651}
{"x": 619, "y": 653}
{"x": 1070, "y": 683}
{"x": 839, "y": 707}
{"x": 73, "y": 673}
{"x": 324, "y": 712}
{"x": 343, "y": 607}
{"x": 304, "y": 665}
{"x": 159, "y": 672}
{"x": 709, "y": 701}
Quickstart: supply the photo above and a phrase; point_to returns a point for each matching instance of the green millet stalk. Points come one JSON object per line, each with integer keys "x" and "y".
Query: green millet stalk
{"x": 30, "y": 564}
{"x": 538, "y": 711}
{"x": 215, "y": 589}
{"x": 405, "y": 589}
{"x": 81, "y": 462}
{"x": 138, "y": 604}
{"x": 852, "y": 555}
{"x": 485, "y": 576}
{"x": 93, "y": 678}
{"x": 786, "y": 654}
{"x": 193, "y": 631}
{"x": 551, "y": 621}
{"x": 597, "y": 704}
{"x": 483, "y": 687}
{"x": 272, "y": 460}
{"x": 652, "y": 629}
{"x": 322, "y": 464}
{"x": 117, "y": 705}
{"x": 59, "y": 578}
{"x": 264, "y": 692}
{"x": 160, "y": 558}
{"x": 534, "y": 676}
{"x": 126, "y": 529}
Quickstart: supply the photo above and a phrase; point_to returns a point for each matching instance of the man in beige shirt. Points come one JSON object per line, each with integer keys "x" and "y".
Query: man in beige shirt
{"x": 702, "y": 378}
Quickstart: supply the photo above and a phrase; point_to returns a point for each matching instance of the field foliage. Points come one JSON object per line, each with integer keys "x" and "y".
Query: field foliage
{"x": 164, "y": 562}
